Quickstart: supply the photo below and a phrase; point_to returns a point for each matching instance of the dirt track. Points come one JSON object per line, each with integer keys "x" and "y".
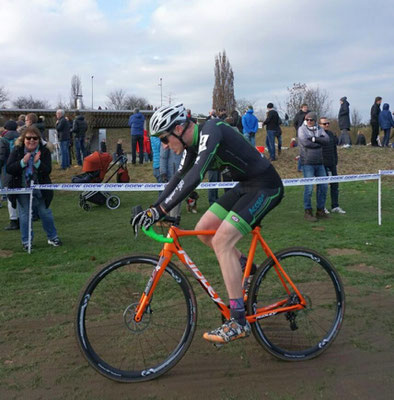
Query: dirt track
{"x": 40, "y": 360}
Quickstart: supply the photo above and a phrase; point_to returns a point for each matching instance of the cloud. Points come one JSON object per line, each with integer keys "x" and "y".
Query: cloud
{"x": 338, "y": 46}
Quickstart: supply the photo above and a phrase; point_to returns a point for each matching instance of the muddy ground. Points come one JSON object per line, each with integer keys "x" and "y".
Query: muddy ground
{"x": 40, "y": 360}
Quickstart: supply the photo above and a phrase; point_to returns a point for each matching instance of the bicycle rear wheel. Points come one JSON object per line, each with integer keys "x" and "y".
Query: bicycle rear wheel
{"x": 303, "y": 334}
{"x": 107, "y": 334}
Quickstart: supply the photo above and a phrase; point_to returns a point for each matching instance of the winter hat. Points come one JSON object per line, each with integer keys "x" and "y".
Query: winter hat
{"x": 11, "y": 125}
{"x": 270, "y": 105}
{"x": 344, "y": 98}
{"x": 311, "y": 115}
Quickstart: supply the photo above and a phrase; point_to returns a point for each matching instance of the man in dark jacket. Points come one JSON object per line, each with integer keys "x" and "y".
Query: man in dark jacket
{"x": 79, "y": 130}
{"x": 375, "y": 111}
{"x": 7, "y": 142}
{"x": 386, "y": 123}
{"x": 344, "y": 123}
{"x": 273, "y": 130}
{"x": 330, "y": 161}
{"x": 63, "y": 133}
{"x": 299, "y": 117}
{"x": 136, "y": 123}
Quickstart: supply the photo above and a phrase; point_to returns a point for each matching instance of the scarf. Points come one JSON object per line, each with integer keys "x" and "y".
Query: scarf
{"x": 29, "y": 170}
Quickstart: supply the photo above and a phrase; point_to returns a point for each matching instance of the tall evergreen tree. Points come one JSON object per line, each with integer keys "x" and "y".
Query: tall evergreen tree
{"x": 223, "y": 91}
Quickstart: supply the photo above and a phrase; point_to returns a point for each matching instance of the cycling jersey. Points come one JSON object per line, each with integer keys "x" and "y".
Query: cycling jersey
{"x": 219, "y": 146}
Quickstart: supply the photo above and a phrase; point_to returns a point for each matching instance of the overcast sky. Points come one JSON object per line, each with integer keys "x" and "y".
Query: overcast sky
{"x": 344, "y": 47}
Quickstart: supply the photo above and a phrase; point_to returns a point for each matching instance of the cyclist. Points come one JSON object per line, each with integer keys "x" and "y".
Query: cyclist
{"x": 216, "y": 145}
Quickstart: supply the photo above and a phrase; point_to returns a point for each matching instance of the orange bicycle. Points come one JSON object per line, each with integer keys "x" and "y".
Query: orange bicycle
{"x": 136, "y": 316}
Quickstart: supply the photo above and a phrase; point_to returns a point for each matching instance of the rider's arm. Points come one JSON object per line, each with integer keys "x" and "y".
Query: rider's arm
{"x": 210, "y": 139}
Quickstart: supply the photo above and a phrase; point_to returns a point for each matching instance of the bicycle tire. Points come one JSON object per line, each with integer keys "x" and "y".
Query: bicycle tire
{"x": 306, "y": 333}
{"x": 110, "y": 340}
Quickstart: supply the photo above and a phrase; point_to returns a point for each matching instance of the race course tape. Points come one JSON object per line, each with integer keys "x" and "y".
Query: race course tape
{"x": 129, "y": 187}
{"x": 388, "y": 172}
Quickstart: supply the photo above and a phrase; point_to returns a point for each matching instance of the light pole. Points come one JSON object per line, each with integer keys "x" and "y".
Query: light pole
{"x": 161, "y": 92}
{"x": 92, "y": 91}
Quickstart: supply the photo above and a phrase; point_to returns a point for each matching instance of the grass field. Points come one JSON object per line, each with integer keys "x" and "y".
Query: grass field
{"x": 38, "y": 356}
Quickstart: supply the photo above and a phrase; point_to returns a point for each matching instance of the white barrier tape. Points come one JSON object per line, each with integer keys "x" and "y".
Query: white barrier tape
{"x": 388, "y": 172}
{"x": 16, "y": 191}
{"x": 126, "y": 187}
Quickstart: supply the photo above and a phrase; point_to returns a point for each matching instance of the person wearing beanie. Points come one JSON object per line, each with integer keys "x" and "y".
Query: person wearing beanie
{"x": 344, "y": 123}
{"x": 7, "y": 142}
{"x": 386, "y": 123}
{"x": 311, "y": 138}
{"x": 273, "y": 130}
{"x": 250, "y": 125}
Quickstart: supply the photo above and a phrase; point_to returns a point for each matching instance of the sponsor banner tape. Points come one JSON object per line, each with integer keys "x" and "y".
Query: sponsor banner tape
{"x": 15, "y": 191}
{"x": 128, "y": 187}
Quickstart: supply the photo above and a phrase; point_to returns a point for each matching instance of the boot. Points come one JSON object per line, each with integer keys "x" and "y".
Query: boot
{"x": 321, "y": 214}
{"x": 309, "y": 215}
{"x": 13, "y": 226}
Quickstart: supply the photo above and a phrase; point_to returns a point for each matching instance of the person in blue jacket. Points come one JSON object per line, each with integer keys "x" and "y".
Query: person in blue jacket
{"x": 386, "y": 122}
{"x": 250, "y": 125}
{"x": 136, "y": 123}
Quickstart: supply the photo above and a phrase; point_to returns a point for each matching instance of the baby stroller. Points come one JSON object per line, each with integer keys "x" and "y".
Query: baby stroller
{"x": 95, "y": 167}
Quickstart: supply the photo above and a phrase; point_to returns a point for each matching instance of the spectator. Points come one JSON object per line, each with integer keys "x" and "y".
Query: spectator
{"x": 136, "y": 123}
{"x": 189, "y": 115}
{"x": 156, "y": 145}
{"x": 79, "y": 130}
{"x": 286, "y": 121}
{"x": 169, "y": 164}
{"x": 212, "y": 114}
{"x": 273, "y": 130}
{"x": 311, "y": 139}
{"x": 250, "y": 125}
{"x": 344, "y": 123}
{"x": 21, "y": 120}
{"x": 386, "y": 123}
{"x": 222, "y": 114}
{"x": 330, "y": 161}
{"x": 41, "y": 126}
{"x": 236, "y": 120}
{"x": 297, "y": 122}
{"x": 103, "y": 145}
{"x": 361, "y": 141}
{"x": 375, "y": 111}
{"x": 63, "y": 132}
{"x": 30, "y": 161}
{"x": 299, "y": 117}
{"x": 7, "y": 143}
{"x": 119, "y": 149}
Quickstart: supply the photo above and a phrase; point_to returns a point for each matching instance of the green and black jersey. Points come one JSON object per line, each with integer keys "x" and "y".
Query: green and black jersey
{"x": 217, "y": 146}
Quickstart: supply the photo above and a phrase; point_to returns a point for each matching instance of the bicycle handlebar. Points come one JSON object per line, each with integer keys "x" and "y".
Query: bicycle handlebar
{"x": 156, "y": 236}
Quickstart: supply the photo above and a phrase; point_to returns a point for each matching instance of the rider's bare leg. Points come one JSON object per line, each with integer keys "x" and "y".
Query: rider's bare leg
{"x": 209, "y": 221}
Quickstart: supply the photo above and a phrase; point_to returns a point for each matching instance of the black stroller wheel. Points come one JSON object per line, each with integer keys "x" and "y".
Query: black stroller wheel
{"x": 86, "y": 207}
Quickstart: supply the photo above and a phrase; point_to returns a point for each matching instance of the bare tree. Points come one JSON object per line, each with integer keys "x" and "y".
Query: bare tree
{"x": 116, "y": 100}
{"x": 25, "y": 103}
{"x": 317, "y": 99}
{"x": 3, "y": 96}
{"x": 132, "y": 102}
{"x": 243, "y": 104}
{"x": 61, "y": 104}
{"x": 223, "y": 91}
{"x": 76, "y": 91}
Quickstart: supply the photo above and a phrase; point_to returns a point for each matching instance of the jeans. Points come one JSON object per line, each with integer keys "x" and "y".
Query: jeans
{"x": 80, "y": 149}
{"x": 64, "y": 144}
{"x": 134, "y": 140}
{"x": 251, "y": 137}
{"x": 213, "y": 194}
{"x": 321, "y": 190}
{"x": 375, "y": 134}
{"x": 334, "y": 186}
{"x": 270, "y": 142}
{"x": 386, "y": 137}
{"x": 44, "y": 213}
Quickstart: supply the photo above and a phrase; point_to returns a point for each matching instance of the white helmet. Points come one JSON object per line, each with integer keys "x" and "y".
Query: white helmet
{"x": 166, "y": 117}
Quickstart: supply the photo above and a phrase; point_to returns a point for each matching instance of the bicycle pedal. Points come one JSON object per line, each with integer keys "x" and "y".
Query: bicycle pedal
{"x": 218, "y": 345}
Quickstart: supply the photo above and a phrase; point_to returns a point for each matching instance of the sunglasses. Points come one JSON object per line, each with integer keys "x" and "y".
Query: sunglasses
{"x": 309, "y": 119}
{"x": 325, "y": 123}
{"x": 35, "y": 138}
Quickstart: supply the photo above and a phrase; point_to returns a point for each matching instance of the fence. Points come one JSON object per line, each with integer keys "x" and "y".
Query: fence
{"x": 141, "y": 187}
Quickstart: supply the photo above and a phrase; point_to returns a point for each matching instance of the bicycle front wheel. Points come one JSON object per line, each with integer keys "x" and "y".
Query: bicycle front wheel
{"x": 109, "y": 338}
{"x": 303, "y": 334}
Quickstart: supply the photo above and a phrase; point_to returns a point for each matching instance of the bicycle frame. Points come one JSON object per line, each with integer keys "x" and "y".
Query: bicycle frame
{"x": 169, "y": 249}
